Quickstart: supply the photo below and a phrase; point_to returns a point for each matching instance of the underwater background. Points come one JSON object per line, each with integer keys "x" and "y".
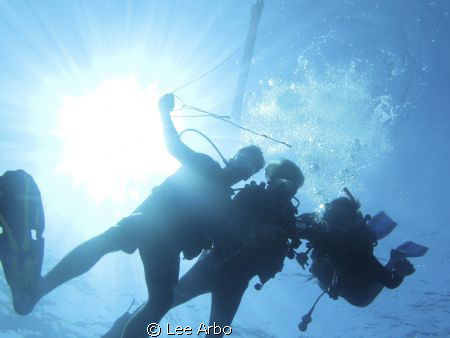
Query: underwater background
{"x": 360, "y": 89}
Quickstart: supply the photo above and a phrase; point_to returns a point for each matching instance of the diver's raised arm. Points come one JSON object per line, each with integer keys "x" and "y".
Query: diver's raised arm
{"x": 174, "y": 145}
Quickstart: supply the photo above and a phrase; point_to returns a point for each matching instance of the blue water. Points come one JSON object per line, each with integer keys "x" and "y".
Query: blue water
{"x": 359, "y": 88}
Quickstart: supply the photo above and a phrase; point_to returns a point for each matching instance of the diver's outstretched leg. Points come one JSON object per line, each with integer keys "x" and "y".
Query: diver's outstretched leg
{"x": 225, "y": 303}
{"x": 77, "y": 262}
{"x": 156, "y": 307}
{"x": 364, "y": 294}
{"x": 197, "y": 281}
{"x": 161, "y": 266}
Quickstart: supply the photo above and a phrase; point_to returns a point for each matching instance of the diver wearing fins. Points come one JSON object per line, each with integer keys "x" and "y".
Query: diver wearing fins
{"x": 345, "y": 251}
{"x": 264, "y": 223}
{"x": 261, "y": 232}
{"x": 340, "y": 245}
{"x": 200, "y": 191}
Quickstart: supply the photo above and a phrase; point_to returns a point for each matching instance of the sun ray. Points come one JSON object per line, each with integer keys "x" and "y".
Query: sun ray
{"x": 112, "y": 138}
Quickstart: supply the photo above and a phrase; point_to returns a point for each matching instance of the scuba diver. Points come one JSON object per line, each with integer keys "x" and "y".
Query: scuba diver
{"x": 183, "y": 214}
{"x": 341, "y": 249}
{"x": 261, "y": 233}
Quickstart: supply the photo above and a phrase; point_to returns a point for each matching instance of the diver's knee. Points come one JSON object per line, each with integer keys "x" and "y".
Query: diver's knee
{"x": 359, "y": 301}
{"x": 164, "y": 296}
{"x": 109, "y": 241}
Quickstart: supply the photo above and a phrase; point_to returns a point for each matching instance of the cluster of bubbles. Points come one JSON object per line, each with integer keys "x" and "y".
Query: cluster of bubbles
{"x": 337, "y": 127}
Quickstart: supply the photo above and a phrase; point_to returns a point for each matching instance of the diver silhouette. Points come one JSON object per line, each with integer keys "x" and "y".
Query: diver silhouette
{"x": 183, "y": 214}
{"x": 261, "y": 232}
{"x": 344, "y": 251}
{"x": 341, "y": 248}
{"x": 265, "y": 233}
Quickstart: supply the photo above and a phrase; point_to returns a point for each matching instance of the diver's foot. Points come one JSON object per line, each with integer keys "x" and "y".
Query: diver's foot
{"x": 23, "y": 275}
{"x": 23, "y": 301}
{"x": 21, "y": 241}
{"x": 25, "y": 295}
{"x": 24, "y": 281}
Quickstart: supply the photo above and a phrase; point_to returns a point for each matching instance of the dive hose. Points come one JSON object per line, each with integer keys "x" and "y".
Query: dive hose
{"x": 207, "y": 139}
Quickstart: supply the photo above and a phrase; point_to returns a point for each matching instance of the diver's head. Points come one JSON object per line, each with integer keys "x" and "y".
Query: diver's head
{"x": 285, "y": 177}
{"x": 341, "y": 213}
{"x": 245, "y": 163}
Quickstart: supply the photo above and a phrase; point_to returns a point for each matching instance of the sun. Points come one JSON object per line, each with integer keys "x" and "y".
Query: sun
{"x": 112, "y": 138}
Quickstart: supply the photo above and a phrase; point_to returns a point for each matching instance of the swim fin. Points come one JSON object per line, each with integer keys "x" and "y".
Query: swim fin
{"x": 119, "y": 325}
{"x": 407, "y": 249}
{"x": 381, "y": 225}
{"x": 411, "y": 249}
{"x": 21, "y": 243}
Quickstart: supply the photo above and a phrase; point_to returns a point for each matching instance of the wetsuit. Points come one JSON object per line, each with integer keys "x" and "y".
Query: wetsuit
{"x": 181, "y": 214}
{"x": 174, "y": 217}
{"x": 345, "y": 264}
{"x": 264, "y": 225}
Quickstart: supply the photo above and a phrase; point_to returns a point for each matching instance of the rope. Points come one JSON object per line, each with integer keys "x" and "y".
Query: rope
{"x": 209, "y": 71}
{"x": 204, "y": 115}
{"x": 236, "y": 125}
{"x": 220, "y": 117}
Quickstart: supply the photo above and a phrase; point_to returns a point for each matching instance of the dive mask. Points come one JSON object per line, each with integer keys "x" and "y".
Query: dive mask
{"x": 281, "y": 184}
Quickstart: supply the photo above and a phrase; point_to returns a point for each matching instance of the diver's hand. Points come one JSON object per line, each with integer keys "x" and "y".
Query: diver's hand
{"x": 396, "y": 255}
{"x": 404, "y": 267}
{"x": 166, "y": 103}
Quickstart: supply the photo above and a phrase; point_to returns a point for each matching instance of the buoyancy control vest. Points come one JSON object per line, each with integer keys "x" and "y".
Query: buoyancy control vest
{"x": 263, "y": 225}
